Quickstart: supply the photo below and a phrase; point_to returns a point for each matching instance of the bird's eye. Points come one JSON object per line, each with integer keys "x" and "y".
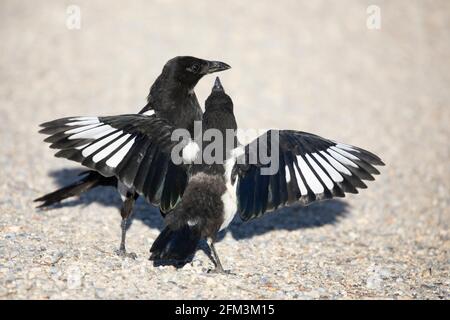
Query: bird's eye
{"x": 195, "y": 68}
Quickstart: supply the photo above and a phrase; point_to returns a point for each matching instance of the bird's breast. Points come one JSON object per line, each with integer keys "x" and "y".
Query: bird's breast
{"x": 229, "y": 197}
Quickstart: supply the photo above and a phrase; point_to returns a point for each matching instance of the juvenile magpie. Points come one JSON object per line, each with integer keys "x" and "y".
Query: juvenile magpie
{"x": 309, "y": 168}
{"x": 171, "y": 98}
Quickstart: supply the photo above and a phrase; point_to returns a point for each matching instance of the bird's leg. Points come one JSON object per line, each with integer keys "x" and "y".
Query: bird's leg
{"x": 125, "y": 212}
{"x": 219, "y": 268}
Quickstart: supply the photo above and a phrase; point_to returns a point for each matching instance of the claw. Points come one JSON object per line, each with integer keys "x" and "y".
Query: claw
{"x": 124, "y": 254}
{"x": 220, "y": 271}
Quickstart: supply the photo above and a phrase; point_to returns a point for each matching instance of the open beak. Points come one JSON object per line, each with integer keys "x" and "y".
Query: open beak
{"x": 217, "y": 85}
{"x": 216, "y": 66}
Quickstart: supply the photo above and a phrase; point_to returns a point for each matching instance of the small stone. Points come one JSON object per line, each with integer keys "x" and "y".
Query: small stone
{"x": 10, "y": 236}
{"x": 100, "y": 293}
{"x": 384, "y": 273}
{"x": 374, "y": 282}
{"x": 314, "y": 294}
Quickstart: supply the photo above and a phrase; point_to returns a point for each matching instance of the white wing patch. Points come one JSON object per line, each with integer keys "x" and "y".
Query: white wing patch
{"x": 97, "y": 145}
{"x": 312, "y": 181}
{"x": 331, "y": 171}
{"x": 82, "y": 147}
{"x": 323, "y": 176}
{"x": 94, "y": 133}
{"x": 82, "y": 122}
{"x": 81, "y": 129}
{"x": 339, "y": 157}
{"x": 119, "y": 155}
{"x": 109, "y": 149}
{"x": 91, "y": 128}
{"x": 324, "y": 166}
{"x": 345, "y": 153}
{"x": 300, "y": 183}
{"x": 337, "y": 165}
{"x": 288, "y": 174}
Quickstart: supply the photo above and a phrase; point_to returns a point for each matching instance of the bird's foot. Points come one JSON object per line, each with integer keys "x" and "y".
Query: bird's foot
{"x": 220, "y": 271}
{"x": 124, "y": 254}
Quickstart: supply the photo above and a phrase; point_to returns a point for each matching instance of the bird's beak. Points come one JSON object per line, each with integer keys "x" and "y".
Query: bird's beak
{"x": 216, "y": 66}
{"x": 217, "y": 85}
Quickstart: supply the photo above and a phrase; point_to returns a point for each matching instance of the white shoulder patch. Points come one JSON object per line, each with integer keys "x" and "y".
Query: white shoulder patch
{"x": 149, "y": 112}
{"x": 237, "y": 152}
{"x": 190, "y": 152}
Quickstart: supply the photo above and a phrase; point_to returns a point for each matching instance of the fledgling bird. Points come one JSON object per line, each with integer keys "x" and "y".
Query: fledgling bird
{"x": 171, "y": 98}
{"x": 310, "y": 168}
{"x": 208, "y": 203}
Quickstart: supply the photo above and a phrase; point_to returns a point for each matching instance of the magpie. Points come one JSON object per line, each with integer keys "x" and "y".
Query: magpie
{"x": 309, "y": 168}
{"x": 172, "y": 98}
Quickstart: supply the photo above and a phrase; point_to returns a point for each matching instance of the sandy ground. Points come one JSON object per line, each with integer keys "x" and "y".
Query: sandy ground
{"x": 312, "y": 66}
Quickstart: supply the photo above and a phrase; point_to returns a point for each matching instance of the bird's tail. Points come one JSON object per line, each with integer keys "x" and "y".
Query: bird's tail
{"x": 178, "y": 244}
{"x": 91, "y": 180}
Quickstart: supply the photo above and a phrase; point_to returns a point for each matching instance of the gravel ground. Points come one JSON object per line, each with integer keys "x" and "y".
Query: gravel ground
{"x": 312, "y": 66}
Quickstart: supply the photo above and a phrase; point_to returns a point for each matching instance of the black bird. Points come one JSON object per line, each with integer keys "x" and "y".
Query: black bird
{"x": 171, "y": 98}
{"x": 309, "y": 168}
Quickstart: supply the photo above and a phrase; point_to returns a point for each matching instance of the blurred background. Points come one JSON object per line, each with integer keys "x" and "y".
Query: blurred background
{"x": 316, "y": 66}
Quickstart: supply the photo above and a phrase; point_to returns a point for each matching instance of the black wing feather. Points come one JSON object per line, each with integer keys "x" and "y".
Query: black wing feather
{"x": 134, "y": 148}
{"x": 311, "y": 168}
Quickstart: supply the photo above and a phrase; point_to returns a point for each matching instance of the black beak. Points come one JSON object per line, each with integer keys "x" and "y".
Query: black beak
{"x": 217, "y": 85}
{"x": 216, "y": 66}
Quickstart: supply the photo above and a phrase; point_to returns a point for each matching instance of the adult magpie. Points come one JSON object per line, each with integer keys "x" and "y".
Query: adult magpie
{"x": 308, "y": 168}
{"x": 172, "y": 98}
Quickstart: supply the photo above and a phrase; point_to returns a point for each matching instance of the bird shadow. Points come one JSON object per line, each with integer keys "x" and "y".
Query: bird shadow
{"x": 289, "y": 218}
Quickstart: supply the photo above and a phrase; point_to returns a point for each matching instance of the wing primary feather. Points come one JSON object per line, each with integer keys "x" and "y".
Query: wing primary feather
{"x": 155, "y": 178}
{"x": 144, "y": 168}
{"x": 129, "y": 166}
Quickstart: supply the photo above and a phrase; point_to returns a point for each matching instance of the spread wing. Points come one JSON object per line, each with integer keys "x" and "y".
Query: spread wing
{"x": 135, "y": 148}
{"x": 309, "y": 168}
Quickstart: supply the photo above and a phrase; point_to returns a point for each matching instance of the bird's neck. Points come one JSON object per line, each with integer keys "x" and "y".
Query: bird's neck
{"x": 222, "y": 108}
{"x": 167, "y": 88}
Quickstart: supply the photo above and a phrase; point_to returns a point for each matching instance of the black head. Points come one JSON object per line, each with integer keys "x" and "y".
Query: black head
{"x": 218, "y": 98}
{"x": 189, "y": 70}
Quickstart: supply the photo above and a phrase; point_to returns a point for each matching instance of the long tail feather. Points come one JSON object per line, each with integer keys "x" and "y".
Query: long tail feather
{"x": 91, "y": 180}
